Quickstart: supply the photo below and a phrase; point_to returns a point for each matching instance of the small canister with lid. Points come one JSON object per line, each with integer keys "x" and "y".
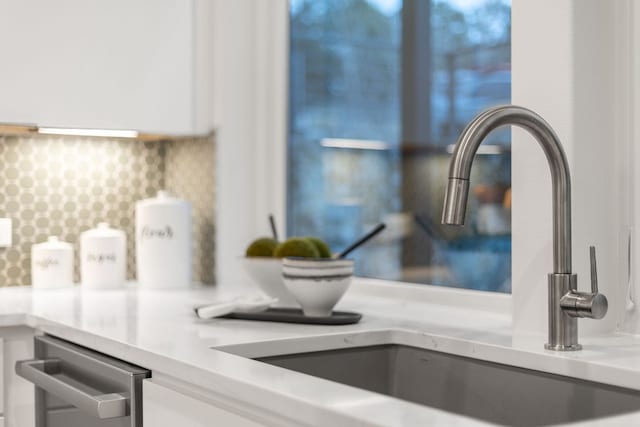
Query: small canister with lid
{"x": 103, "y": 257}
{"x": 52, "y": 264}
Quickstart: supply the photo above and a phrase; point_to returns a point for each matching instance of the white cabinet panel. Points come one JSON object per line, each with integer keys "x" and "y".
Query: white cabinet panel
{"x": 2, "y": 382}
{"x": 19, "y": 398}
{"x": 118, "y": 64}
{"x": 165, "y": 407}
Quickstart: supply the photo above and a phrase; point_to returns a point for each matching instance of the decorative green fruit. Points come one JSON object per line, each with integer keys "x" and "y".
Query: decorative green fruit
{"x": 321, "y": 246}
{"x": 262, "y": 247}
{"x": 296, "y": 247}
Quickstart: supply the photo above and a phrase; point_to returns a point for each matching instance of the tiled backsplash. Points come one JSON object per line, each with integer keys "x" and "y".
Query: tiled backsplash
{"x": 65, "y": 185}
{"x": 189, "y": 173}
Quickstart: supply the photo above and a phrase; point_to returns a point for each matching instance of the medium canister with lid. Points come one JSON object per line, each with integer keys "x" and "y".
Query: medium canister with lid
{"x": 52, "y": 264}
{"x": 103, "y": 257}
{"x": 163, "y": 242}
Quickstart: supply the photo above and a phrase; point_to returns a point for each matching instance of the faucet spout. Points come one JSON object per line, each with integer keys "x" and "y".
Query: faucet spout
{"x": 460, "y": 170}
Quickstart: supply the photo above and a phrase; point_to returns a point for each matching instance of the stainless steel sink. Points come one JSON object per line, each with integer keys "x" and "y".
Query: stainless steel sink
{"x": 488, "y": 391}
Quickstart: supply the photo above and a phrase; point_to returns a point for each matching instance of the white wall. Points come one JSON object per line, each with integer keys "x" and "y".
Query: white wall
{"x": 564, "y": 67}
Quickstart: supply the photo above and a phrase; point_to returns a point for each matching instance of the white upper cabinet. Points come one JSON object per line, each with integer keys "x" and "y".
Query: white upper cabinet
{"x": 117, "y": 64}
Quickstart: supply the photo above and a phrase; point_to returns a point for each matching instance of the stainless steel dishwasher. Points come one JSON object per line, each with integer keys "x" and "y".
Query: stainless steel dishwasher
{"x": 79, "y": 387}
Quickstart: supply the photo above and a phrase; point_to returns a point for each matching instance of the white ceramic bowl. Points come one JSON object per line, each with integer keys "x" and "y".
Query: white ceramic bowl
{"x": 267, "y": 274}
{"x": 317, "y": 284}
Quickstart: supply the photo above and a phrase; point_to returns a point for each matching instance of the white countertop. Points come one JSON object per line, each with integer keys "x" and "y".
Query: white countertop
{"x": 158, "y": 330}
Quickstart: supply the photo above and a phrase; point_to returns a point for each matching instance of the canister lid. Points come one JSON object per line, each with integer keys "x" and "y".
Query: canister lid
{"x": 103, "y": 230}
{"x": 163, "y": 197}
{"x": 54, "y": 243}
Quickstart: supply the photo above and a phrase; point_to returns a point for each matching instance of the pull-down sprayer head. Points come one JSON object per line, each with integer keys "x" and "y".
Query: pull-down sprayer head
{"x": 455, "y": 201}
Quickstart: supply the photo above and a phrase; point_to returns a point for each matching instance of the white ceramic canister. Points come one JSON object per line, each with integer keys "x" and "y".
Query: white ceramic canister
{"x": 103, "y": 257}
{"x": 52, "y": 264}
{"x": 163, "y": 242}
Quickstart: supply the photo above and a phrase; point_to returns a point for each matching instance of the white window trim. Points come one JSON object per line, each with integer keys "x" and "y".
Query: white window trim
{"x": 629, "y": 158}
{"x": 250, "y": 111}
{"x": 250, "y": 63}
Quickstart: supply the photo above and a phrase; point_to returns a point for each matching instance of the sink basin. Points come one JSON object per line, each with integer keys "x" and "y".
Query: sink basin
{"x": 483, "y": 390}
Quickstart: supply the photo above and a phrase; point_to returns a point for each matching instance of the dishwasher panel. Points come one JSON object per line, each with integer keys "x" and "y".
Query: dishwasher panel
{"x": 76, "y": 386}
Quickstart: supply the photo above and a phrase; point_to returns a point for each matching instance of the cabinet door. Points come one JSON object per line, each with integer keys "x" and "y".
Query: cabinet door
{"x": 165, "y": 407}
{"x": 117, "y": 64}
{"x": 18, "y": 393}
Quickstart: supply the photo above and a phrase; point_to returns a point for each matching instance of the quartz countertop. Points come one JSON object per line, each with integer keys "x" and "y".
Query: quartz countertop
{"x": 159, "y": 331}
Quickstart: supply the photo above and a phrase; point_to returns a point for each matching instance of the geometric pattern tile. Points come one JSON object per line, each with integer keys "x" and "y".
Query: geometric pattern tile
{"x": 189, "y": 174}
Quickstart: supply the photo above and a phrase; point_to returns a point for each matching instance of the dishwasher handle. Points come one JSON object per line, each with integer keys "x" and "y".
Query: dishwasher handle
{"x": 102, "y": 406}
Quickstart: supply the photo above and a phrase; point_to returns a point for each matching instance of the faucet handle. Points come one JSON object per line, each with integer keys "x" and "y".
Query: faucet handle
{"x": 593, "y": 305}
{"x": 594, "y": 270}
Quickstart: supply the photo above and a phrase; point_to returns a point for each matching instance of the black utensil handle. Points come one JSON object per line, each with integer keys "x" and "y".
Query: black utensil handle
{"x": 274, "y": 230}
{"x": 363, "y": 239}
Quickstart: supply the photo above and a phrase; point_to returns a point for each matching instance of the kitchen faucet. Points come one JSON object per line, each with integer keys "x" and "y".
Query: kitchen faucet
{"x": 566, "y": 304}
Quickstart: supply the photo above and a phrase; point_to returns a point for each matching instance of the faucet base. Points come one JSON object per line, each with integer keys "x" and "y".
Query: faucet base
{"x": 563, "y": 329}
{"x": 560, "y": 347}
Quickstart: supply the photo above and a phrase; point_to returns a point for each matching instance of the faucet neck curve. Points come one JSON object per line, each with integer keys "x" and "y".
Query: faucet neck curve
{"x": 460, "y": 170}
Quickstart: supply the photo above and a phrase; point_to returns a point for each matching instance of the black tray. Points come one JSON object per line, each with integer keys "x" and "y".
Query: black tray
{"x": 295, "y": 315}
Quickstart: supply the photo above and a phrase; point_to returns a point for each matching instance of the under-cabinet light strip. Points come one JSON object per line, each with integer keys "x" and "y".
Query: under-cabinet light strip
{"x": 106, "y": 133}
{"x": 31, "y": 129}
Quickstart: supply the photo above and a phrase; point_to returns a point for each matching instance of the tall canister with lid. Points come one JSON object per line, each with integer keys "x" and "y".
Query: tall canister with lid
{"x": 163, "y": 242}
{"x": 52, "y": 264}
{"x": 103, "y": 257}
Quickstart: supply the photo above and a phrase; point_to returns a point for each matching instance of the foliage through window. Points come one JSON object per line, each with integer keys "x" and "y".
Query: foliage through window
{"x": 379, "y": 91}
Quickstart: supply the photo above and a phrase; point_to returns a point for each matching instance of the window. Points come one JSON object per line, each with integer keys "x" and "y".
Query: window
{"x": 379, "y": 91}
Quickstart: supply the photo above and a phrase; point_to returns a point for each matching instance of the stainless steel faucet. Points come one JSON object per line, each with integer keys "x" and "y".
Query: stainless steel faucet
{"x": 566, "y": 304}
